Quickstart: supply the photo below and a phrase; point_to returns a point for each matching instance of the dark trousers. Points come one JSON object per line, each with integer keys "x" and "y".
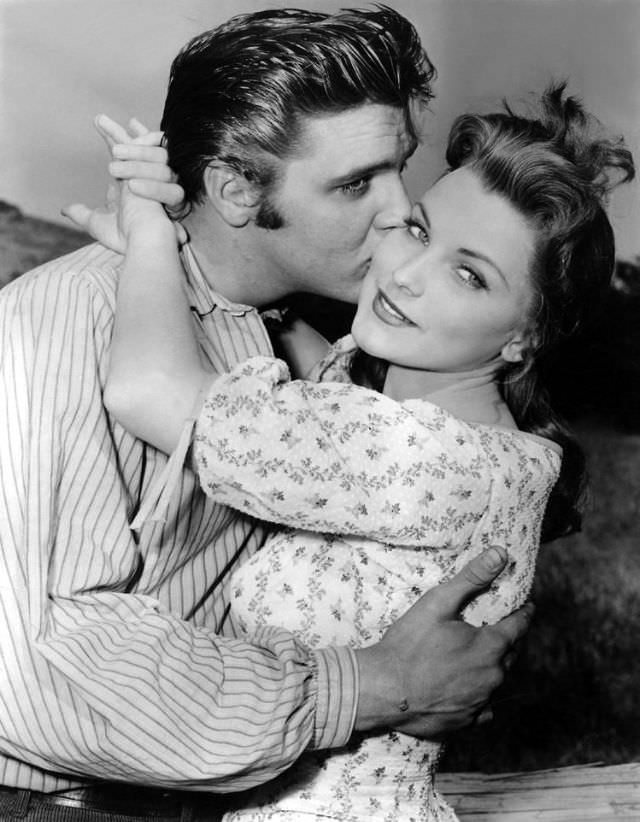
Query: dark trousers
{"x": 110, "y": 803}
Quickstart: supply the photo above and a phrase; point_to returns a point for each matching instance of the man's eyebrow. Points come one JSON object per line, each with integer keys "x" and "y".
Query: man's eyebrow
{"x": 372, "y": 168}
{"x": 468, "y": 252}
{"x": 363, "y": 171}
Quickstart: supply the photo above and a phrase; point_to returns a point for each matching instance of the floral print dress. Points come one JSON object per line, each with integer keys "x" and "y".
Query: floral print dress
{"x": 378, "y": 502}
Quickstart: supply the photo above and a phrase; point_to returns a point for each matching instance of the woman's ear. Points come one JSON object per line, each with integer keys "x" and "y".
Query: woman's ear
{"x": 231, "y": 194}
{"x": 513, "y": 351}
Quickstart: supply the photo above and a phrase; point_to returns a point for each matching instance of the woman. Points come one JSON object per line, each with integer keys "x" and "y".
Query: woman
{"x": 425, "y": 435}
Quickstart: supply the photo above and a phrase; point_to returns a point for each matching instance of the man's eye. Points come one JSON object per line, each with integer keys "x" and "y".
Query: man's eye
{"x": 356, "y": 186}
{"x": 417, "y": 231}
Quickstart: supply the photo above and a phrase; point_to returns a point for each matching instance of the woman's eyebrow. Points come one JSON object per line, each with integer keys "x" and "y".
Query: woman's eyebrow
{"x": 477, "y": 255}
{"x": 423, "y": 212}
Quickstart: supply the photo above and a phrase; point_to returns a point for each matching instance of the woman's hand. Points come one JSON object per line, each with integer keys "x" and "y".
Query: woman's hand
{"x": 141, "y": 184}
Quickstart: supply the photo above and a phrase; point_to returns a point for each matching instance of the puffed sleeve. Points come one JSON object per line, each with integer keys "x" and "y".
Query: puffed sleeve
{"x": 338, "y": 458}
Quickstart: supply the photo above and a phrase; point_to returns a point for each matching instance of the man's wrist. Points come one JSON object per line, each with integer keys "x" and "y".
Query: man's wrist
{"x": 380, "y": 702}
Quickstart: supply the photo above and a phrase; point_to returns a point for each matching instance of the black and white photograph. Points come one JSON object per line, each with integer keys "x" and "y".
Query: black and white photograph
{"x": 319, "y": 410}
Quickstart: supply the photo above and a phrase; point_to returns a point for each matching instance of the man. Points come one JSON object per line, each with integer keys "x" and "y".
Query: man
{"x": 289, "y": 132}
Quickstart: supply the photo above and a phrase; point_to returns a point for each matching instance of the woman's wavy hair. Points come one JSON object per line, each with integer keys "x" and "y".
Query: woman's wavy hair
{"x": 556, "y": 168}
{"x": 238, "y": 94}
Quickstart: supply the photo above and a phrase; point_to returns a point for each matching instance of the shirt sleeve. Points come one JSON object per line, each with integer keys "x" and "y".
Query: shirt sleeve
{"x": 97, "y": 680}
{"x": 337, "y": 458}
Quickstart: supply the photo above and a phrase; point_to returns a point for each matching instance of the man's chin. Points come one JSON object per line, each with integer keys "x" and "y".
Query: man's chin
{"x": 353, "y": 292}
{"x": 350, "y": 296}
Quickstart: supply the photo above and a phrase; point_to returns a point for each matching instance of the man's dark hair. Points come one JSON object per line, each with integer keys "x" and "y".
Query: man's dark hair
{"x": 238, "y": 93}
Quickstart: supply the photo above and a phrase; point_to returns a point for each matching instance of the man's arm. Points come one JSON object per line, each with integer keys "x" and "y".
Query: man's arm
{"x": 432, "y": 673}
{"x": 99, "y": 678}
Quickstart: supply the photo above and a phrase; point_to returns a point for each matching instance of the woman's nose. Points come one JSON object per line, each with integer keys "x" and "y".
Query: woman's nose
{"x": 409, "y": 273}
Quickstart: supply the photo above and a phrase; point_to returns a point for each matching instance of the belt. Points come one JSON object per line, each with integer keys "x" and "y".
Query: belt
{"x": 120, "y": 799}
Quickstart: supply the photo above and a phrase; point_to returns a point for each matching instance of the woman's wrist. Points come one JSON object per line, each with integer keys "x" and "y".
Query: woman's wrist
{"x": 152, "y": 236}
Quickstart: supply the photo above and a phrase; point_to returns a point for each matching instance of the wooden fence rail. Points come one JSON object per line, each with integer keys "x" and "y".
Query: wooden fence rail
{"x": 584, "y": 793}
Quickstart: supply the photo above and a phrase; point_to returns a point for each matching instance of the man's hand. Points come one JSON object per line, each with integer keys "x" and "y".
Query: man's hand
{"x": 433, "y": 673}
{"x": 139, "y": 166}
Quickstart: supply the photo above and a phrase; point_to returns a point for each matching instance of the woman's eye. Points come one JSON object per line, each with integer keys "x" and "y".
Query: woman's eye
{"x": 417, "y": 231}
{"x": 470, "y": 278}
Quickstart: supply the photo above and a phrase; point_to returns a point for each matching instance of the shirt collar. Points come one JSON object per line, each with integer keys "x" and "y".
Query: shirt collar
{"x": 204, "y": 300}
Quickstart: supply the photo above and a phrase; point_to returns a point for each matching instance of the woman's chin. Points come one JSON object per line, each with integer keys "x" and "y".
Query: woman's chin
{"x": 356, "y": 330}
{"x": 364, "y": 338}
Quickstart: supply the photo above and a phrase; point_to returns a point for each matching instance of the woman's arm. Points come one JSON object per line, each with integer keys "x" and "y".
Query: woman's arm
{"x": 300, "y": 345}
{"x": 338, "y": 458}
{"x": 155, "y": 374}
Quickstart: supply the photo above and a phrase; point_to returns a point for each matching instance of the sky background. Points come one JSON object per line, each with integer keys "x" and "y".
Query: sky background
{"x": 63, "y": 61}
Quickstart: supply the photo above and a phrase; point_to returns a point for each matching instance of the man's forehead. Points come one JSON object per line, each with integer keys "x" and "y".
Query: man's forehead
{"x": 362, "y": 136}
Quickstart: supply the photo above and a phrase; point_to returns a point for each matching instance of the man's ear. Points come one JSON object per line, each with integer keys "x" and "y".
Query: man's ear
{"x": 231, "y": 194}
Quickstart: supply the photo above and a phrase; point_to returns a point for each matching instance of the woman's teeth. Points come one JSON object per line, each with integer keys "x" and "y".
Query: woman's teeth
{"x": 387, "y": 305}
{"x": 389, "y": 309}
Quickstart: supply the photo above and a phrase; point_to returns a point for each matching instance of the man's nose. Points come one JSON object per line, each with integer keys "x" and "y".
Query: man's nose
{"x": 395, "y": 207}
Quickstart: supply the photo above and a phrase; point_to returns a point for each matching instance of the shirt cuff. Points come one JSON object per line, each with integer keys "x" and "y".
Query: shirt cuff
{"x": 156, "y": 502}
{"x": 337, "y": 686}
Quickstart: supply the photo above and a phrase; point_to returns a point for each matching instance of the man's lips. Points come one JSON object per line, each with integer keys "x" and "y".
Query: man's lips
{"x": 387, "y": 311}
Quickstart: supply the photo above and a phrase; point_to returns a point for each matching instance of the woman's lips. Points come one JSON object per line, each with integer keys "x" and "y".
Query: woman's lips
{"x": 388, "y": 312}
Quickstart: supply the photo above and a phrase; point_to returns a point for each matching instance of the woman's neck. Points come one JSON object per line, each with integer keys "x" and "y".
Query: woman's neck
{"x": 472, "y": 396}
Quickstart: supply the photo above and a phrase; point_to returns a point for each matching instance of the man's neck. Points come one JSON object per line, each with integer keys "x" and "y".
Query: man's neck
{"x": 228, "y": 262}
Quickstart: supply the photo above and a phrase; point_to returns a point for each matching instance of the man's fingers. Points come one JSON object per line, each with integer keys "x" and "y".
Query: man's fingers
{"x": 171, "y": 194}
{"x": 513, "y": 627}
{"x": 128, "y": 169}
{"x": 485, "y": 715}
{"x": 470, "y": 581}
{"x": 509, "y": 659}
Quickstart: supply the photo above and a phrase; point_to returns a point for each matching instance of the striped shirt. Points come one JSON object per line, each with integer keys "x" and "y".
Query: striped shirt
{"x": 115, "y": 658}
